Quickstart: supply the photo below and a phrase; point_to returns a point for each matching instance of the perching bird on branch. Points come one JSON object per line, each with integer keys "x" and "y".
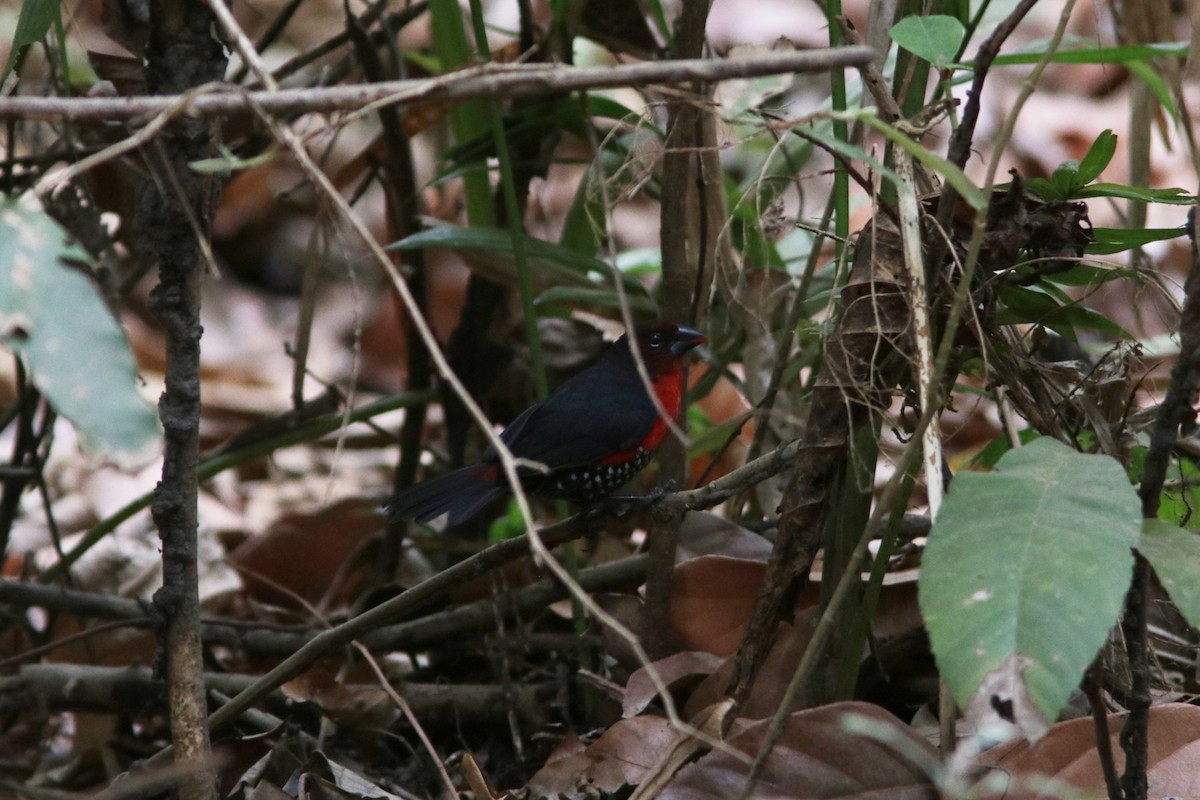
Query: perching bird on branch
{"x": 593, "y": 434}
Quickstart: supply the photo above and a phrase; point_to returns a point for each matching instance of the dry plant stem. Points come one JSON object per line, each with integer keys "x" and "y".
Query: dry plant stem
{"x": 407, "y": 711}
{"x": 928, "y": 383}
{"x": 1134, "y": 738}
{"x": 945, "y": 209}
{"x": 392, "y": 22}
{"x": 55, "y": 179}
{"x": 507, "y": 80}
{"x": 81, "y": 687}
{"x": 928, "y": 388}
{"x": 825, "y": 625}
{"x": 964, "y": 134}
{"x": 402, "y": 196}
{"x": 860, "y": 364}
{"x": 399, "y": 606}
{"x": 889, "y": 109}
{"x": 258, "y": 641}
{"x": 683, "y": 249}
{"x": 1175, "y": 414}
{"x": 1112, "y": 781}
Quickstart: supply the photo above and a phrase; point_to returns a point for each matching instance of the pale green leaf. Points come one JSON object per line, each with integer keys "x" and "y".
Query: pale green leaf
{"x": 1175, "y": 555}
{"x": 935, "y": 38}
{"x": 76, "y": 352}
{"x": 1024, "y": 574}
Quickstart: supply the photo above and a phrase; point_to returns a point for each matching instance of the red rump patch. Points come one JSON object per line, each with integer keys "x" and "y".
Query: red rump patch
{"x": 488, "y": 473}
{"x": 619, "y": 457}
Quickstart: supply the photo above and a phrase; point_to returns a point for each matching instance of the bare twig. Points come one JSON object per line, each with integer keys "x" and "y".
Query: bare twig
{"x": 81, "y": 686}
{"x": 509, "y": 80}
{"x": 407, "y": 711}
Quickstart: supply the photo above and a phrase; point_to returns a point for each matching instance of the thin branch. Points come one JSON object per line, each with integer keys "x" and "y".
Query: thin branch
{"x": 509, "y": 80}
{"x": 258, "y": 641}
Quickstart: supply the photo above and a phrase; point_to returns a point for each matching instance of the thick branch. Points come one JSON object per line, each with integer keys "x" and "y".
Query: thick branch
{"x": 685, "y": 244}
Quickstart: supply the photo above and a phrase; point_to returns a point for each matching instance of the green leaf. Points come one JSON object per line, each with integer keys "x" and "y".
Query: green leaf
{"x": 1065, "y": 178}
{"x": 954, "y": 176}
{"x": 935, "y": 38}
{"x": 509, "y": 526}
{"x": 1175, "y": 555}
{"x": 850, "y": 151}
{"x": 77, "y": 355}
{"x": 1090, "y": 275}
{"x": 229, "y": 161}
{"x": 1044, "y": 189}
{"x": 1151, "y": 77}
{"x": 1094, "y": 55}
{"x": 1173, "y": 196}
{"x": 1098, "y": 157}
{"x": 1024, "y": 304}
{"x": 36, "y": 18}
{"x": 572, "y": 297}
{"x": 1107, "y": 241}
{"x": 1025, "y": 572}
{"x": 989, "y": 456}
{"x": 552, "y": 264}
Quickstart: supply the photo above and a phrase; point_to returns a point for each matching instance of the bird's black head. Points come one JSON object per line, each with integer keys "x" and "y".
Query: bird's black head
{"x": 664, "y": 340}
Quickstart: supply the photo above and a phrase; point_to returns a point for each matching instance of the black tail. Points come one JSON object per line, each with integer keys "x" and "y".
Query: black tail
{"x": 463, "y": 493}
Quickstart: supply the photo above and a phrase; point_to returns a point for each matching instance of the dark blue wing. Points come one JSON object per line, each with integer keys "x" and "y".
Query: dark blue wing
{"x": 597, "y": 413}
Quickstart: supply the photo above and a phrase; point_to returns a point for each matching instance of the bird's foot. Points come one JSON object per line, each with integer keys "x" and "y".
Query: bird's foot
{"x": 618, "y": 505}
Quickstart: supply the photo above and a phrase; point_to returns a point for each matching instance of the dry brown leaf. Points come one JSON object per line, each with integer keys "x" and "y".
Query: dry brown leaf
{"x": 349, "y": 705}
{"x": 1068, "y": 754}
{"x": 307, "y": 554}
{"x": 818, "y": 757}
{"x": 673, "y": 670}
{"x": 787, "y": 648}
{"x": 710, "y": 724}
{"x": 623, "y": 755}
{"x": 478, "y": 782}
{"x": 703, "y": 533}
{"x": 713, "y": 598}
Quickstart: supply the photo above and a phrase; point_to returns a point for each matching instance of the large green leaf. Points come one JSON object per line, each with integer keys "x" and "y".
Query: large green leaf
{"x": 1024, "y": 574}
{"x": 77, "y": 355}
{"x": 1175, "y": 555}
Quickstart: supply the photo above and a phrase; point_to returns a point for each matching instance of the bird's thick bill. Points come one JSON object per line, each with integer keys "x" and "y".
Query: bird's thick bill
{"x": 685, "y": 339}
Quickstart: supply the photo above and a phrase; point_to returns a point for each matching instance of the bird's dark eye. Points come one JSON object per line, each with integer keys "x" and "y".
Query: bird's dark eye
{"x": 656, "y": 340}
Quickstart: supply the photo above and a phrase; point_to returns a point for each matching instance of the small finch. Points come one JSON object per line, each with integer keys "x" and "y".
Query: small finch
{"x": 593, "y": 434}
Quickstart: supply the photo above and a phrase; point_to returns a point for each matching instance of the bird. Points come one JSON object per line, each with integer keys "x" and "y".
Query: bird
{"x": 590, "y": 436}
